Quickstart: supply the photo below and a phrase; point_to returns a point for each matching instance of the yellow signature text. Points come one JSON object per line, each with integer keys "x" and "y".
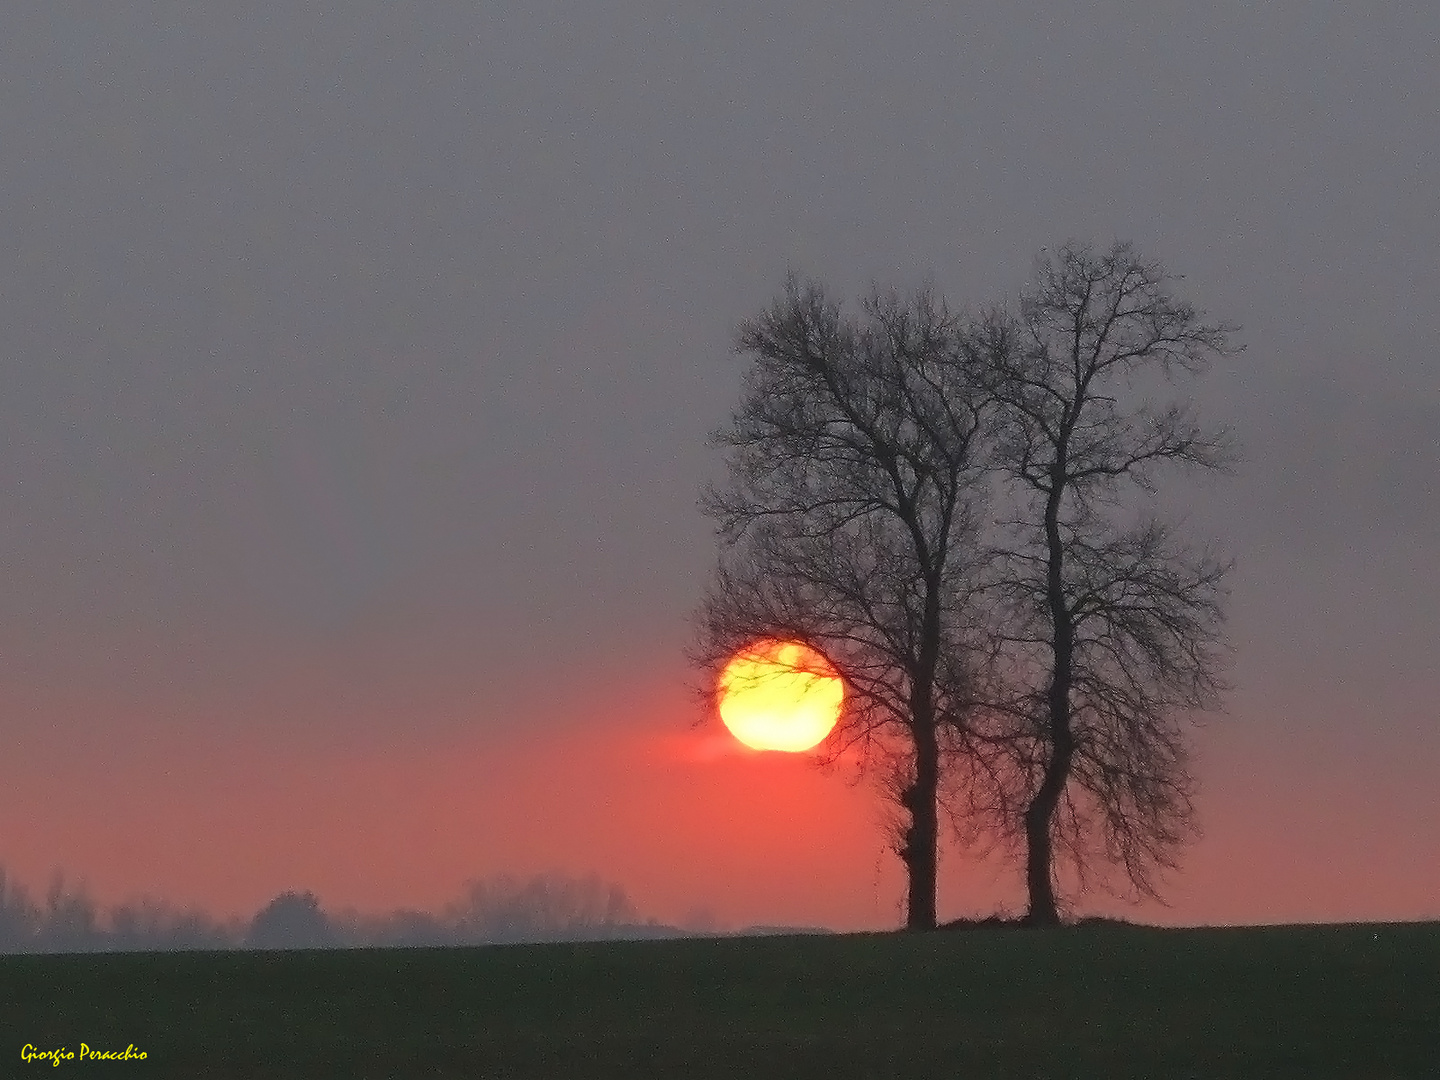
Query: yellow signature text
{"x": 87, "y": 1053}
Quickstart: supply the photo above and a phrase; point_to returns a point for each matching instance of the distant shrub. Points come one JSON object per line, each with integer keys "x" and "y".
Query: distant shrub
{"x": 293, "y": 920}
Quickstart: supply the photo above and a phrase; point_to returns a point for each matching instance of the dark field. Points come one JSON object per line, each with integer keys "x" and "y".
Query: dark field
{"x": 1090, "y": 1001}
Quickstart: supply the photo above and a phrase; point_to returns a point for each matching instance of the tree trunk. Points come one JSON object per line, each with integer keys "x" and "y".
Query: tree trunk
{"x": 921, "y": 850}
{"x": 922, "y": 839}
{"x": 1039, "y": 853}
{"x": 1040, "y": 814}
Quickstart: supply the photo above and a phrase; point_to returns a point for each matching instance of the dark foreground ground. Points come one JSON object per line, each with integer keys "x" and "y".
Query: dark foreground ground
{"x": 1102, "y": 1001}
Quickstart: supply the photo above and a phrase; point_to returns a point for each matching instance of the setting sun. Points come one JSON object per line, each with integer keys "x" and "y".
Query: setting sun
{"x": 779, "y": 695}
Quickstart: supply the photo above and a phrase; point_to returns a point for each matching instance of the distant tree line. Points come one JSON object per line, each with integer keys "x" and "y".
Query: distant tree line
{"x": 499, "y": 909}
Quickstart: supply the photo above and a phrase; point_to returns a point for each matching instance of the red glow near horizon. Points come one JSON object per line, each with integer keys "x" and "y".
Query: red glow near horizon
{"x": 685, "y": 820}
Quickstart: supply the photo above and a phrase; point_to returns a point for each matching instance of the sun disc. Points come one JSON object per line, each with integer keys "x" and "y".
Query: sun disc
{"x": 780, "y": 695}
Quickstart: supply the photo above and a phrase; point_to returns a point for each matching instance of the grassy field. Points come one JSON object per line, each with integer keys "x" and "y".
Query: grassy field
{"x": 1102, "y": 1001}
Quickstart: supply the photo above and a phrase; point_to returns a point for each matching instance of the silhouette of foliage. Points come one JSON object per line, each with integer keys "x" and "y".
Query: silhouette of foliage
{"x": 503, "y": 908}
{"x": 848, "y": 524}
{"x": 293, "y": 920}
{"x": 1110, "y": 620}
{"x": 1028, "y": 672}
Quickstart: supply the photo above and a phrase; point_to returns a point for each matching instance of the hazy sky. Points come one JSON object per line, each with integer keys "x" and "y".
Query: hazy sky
{"x": 357, "y": 364}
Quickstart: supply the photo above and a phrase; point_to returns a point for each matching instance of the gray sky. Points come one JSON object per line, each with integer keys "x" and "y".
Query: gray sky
{"x": 363, "y": 330}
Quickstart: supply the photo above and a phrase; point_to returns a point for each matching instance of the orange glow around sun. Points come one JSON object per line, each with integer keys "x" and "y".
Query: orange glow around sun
{"x": 780, "y": 695}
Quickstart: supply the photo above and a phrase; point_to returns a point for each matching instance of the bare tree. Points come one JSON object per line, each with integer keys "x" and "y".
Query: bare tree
{"x": 1114, "y": 623}
{"x": 849, "y": 524}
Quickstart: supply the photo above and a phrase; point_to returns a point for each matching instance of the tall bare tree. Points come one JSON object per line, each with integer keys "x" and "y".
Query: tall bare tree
{"x": 1114, "y": 618}
{"x": 849, "y": 524}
